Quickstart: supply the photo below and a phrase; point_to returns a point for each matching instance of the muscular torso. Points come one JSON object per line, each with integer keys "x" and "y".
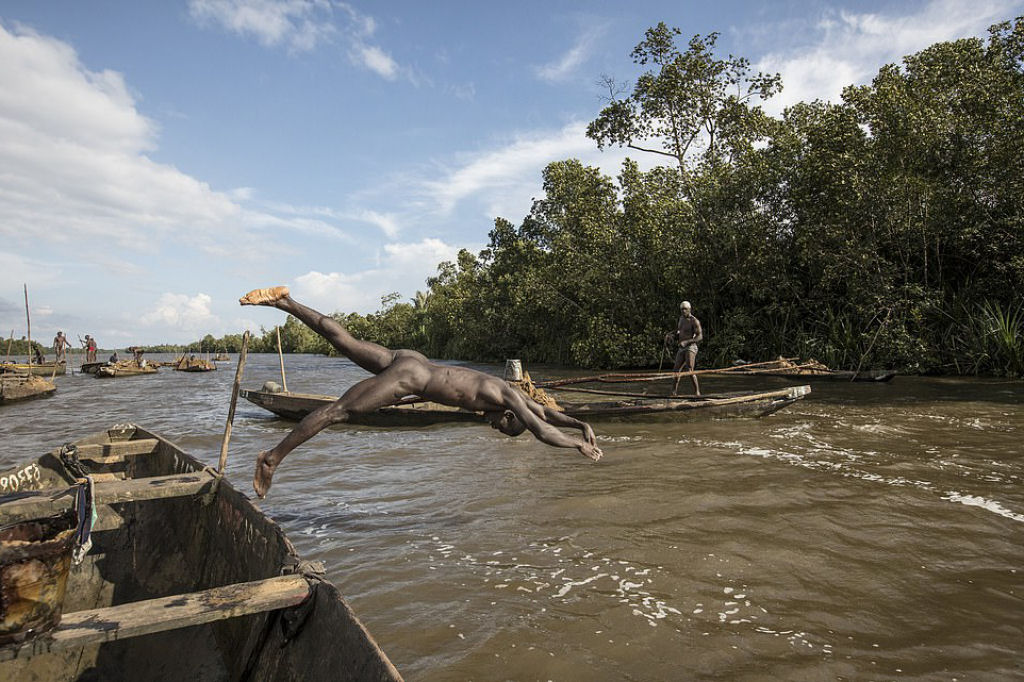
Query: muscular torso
{"x": 688, "y": 328}
{"x": 445, "y": 384}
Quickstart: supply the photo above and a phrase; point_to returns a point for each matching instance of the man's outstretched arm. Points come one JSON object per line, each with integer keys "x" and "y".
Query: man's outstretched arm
{"x": 546, "y": 433}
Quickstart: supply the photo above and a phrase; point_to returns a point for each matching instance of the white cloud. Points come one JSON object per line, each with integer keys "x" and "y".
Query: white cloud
{"x": 301, "y": 24}
{"x": 404, "y": 267}
{"x": 502, "y": 181}
{"x": 848, "y": 48}
{"x": 376, "y": 60}
{"x": 563, "y": 67}
{"x": 182, "y": 312}
{"x": 80, "y": 146}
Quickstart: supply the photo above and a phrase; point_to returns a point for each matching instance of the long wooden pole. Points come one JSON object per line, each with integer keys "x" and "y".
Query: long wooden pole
{"x": 234, "y": 401}
{"x": 280, "y": 357}
{"x": 638, "y": 377}
{"x": 28, "y": 321}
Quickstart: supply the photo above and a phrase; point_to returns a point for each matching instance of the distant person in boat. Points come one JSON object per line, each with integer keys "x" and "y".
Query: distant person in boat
{"x": 39, "y": 359}
{"x": 90, "y": 348}
{"x": 687, "y": 335}
{"x": 400, "y": 373}
{"x": 137, "y": 354}
{"x": 60, "y": 342}
{"x": 113, "y": 359}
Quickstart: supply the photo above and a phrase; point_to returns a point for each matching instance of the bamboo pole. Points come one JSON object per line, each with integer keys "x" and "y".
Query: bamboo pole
{"x": 28, "y": 320}
{"x": 639, "y": 377}
{"x": 234, "y": 401}
{"x": 280, "y": 357}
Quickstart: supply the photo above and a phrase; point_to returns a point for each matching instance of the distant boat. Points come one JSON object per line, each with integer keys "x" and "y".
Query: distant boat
{"x": 186, "y": 579}
{"x": 90, "y": 367}
{"x": 184, "y": 364}
{"x": 125, "y": 368}
{"x": 222, "y": 357}
{"x": 44, "y": 370}
{"x": 17, "y": 387}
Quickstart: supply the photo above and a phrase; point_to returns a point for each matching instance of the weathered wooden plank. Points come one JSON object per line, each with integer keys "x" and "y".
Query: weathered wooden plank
{"x": 41, "y": 503}
{"x": 85, "y": 628}
{"x": 106, "y": 453}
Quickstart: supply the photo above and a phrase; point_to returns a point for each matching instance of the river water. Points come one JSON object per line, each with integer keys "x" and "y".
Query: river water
{"x": 866, "y": 532}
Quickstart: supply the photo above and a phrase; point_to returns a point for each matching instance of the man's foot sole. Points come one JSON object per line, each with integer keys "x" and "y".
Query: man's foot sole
{"x": 267, "y": 296}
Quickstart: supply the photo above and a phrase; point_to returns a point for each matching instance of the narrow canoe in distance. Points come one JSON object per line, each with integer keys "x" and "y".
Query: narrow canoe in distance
{"x": 186, "y": 579}
{"x": 44, "y": 370}
{"x": 119, "y": 370}
{"x": 422, "y": 413}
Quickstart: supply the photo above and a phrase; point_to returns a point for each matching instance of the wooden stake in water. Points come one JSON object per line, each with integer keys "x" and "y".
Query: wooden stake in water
{"x": 234, "y": 401}
{"x": 280, "y": 357}
{"x": 28, "y": 321}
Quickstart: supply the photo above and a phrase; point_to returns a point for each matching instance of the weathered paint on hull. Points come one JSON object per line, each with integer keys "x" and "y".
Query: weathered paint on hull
{"x": 170, "y": 545}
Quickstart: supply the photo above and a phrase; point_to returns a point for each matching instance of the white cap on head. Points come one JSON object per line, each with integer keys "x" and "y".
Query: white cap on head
{"x": 685, "y": 305}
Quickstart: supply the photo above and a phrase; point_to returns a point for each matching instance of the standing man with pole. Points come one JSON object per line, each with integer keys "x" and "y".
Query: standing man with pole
{"x": 60, "y": 342}
{"x": 687, "y": 335}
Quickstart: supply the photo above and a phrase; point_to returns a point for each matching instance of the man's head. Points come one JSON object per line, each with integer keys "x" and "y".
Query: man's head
{"x": 506, "y": 421}
{"x": 685, "y": 307}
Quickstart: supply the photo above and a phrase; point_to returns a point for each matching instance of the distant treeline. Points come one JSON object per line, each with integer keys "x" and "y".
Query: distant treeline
{"x": 17, "y": 349}
{"x": 885, "y": 230}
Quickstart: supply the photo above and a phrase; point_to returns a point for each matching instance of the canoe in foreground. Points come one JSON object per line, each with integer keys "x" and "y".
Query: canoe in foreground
{"x": 16, "y": 387}
{"x": 749, "y": 404}
{"x": 44, "y": 370}
{"x": 186, "y": 579}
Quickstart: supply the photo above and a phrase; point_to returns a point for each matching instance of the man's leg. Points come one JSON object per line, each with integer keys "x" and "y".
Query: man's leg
{"x": 365, "y": 396}
{"x": 692, "y": 363}
{"x": 678, "y": 365}
{"x": 370, "y": 356}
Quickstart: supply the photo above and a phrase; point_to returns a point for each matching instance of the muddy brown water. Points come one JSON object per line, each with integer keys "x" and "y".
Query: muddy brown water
{"x": 867, "y": 532}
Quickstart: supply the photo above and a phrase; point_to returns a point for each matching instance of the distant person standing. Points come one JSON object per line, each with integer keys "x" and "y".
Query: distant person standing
{"x": 90, "y": 349}
{"x": 687, "y": 335}
{"x": 60, "y": 342}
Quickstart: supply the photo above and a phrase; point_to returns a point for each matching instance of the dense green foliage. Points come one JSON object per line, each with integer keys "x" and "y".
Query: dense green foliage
{"x": 882, "y": 230}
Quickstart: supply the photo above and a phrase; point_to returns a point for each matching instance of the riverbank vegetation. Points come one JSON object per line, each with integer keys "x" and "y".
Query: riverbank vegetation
{"x": 884, "y": 230}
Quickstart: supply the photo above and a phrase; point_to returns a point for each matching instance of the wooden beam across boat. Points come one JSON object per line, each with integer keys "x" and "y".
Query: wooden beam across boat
{"x": 39, "y": 504}
{"x": 95, "y": 626}
{"x": 106, "y": 453}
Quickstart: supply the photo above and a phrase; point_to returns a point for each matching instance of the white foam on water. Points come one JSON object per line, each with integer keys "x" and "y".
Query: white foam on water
{"x": 983, "y": 503}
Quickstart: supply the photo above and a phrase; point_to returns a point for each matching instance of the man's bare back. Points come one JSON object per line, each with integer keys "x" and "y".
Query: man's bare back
{"x": 401, "y": 373}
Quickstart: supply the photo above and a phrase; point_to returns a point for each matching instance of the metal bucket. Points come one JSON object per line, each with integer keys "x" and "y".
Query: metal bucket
{"x": 35, "y": 558}
{"x": 513, "y": 370}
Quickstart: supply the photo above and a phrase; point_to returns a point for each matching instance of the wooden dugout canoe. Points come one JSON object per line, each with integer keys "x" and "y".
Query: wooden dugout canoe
{"x": 17, "y": 387}
{"x": 186, "y": 579}
{"x": 114, "y": 371}
{"x": 44, "y": 370}
{"x": 746, "y": 404}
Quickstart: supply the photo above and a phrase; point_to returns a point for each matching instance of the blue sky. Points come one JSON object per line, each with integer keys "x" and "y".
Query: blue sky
{"x": 158, "y": 160}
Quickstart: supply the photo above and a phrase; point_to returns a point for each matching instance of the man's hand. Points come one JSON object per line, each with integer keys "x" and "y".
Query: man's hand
{"x": 589, "y": 450}
{"x": 588, "y": 433}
